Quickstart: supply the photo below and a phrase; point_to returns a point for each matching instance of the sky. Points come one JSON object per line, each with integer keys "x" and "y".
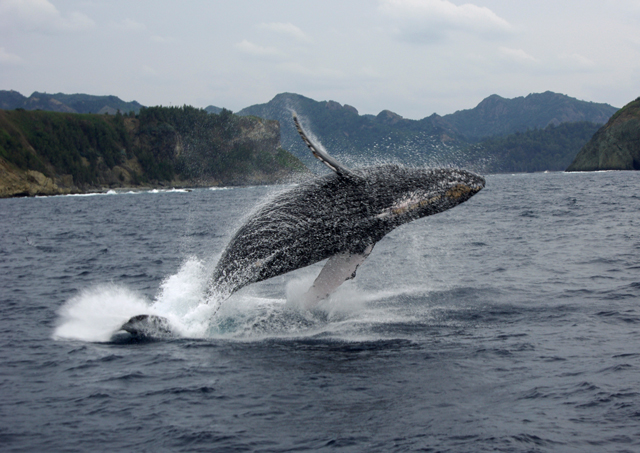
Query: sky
{"x": 413, "y": 57}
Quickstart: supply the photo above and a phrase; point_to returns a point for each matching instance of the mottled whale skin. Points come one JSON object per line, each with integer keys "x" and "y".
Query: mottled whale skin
{"x": 340, "y": 216}
{"x": 336, "y": 215}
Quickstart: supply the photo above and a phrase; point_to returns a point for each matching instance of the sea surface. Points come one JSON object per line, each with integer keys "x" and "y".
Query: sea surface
{"x": 509, "y": 323}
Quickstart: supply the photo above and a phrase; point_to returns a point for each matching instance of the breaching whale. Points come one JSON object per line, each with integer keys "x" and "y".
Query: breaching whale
{"x": 339, "y": 217}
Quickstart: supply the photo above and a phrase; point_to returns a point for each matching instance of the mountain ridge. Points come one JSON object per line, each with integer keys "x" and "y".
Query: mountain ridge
{"x": 67, "y": 103}
{"x": 434, "y": 140}
{"x": 455, "y": 139}
{"x": 498, "y": 116}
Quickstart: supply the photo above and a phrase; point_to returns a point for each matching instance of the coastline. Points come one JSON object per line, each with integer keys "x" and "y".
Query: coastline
{"x": 32, "y": 183}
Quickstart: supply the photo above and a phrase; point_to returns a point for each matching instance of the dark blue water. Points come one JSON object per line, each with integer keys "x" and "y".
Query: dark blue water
{"x": 510, "y": 323}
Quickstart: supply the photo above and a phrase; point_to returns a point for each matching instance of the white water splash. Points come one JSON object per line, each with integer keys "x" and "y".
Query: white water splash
{"x": 97, "y": 313}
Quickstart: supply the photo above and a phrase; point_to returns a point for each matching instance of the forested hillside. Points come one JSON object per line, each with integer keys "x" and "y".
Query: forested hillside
{"x": 498, "y": 116}
{"x": 49, "y": 152}
{"x": 616, "y": 145}
{"x": 552, "y": 148}
{"x": 445, "y": 140}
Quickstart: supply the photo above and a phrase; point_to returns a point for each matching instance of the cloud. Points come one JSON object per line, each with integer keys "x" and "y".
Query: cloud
{"x": 370, "y": 72}
{"x": 517, "y": 55}
{"x": 131, "y": 25}
{"x": 432, "y": 20}
{"x": 9, "y": 58}
{"x": 41, "y": 16}
{"x": 286, "y": 29}
{"x": 316, "y": 72}
{"x": 255, "y": 50}
{"x": 162, "y": 39}
{"x": 578, "y": 60}
{"x": 148, "y": 71}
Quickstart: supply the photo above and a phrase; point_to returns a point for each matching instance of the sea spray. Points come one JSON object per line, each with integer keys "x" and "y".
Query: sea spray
{"x": 96, "y": 313}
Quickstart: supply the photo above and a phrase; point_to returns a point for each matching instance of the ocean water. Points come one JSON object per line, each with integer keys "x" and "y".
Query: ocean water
{"x": 509, "y": 323}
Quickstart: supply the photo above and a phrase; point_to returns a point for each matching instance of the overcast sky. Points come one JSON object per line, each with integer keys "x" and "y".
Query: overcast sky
{"x": 414, "y": 57}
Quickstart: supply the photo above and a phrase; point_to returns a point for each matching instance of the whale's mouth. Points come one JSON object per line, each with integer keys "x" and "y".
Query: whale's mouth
{"x": 458, "y": 191}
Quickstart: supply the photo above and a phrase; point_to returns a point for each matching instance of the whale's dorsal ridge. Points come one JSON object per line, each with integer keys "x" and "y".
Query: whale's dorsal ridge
{"x": 320, "y": 154}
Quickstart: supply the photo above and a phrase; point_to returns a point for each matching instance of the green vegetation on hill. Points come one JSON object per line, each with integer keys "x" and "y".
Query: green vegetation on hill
{"x": 444, "y": 140}
{"x": 198, "y": 145}
{"x": 69, "y": 103}
{"x": 551, "y": 148}
{"x": 616, "y": 145}
{"x": 177, "y": 145}
{"x": 59, "y": 143}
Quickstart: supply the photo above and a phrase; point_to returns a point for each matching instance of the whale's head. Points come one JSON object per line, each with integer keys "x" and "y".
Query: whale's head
{"x": 405, "y": 194}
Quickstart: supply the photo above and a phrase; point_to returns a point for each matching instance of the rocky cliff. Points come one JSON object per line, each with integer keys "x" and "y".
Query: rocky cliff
{"x": 615, "y": 146}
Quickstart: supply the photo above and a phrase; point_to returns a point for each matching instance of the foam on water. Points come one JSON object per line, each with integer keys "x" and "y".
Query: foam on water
{"x": 97, "y": 313}
{"x": 181, "y": 299}
{"x": 477, "y": 330}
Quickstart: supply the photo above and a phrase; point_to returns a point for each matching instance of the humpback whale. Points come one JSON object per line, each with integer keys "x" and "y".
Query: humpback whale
{"x": 339, "y": 217}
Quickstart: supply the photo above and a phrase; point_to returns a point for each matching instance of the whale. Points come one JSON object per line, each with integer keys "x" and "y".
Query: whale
{"x": 338, "y": 217}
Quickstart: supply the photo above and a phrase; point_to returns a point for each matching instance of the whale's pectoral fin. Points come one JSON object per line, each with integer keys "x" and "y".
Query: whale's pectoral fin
{"x": 320, "y": 154}
{"x": 338, "y": 269}
{"x": 148, "y": 326}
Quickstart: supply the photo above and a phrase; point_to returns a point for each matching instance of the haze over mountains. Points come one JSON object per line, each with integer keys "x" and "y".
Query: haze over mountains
{"x": 435, "y": 140}
{"x": 471, "y": 138}
{"x": 67, "y": 103}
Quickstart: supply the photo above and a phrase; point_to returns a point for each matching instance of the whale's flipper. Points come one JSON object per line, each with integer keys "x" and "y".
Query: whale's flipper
{"x": 148, "y": 326}
{"x": 320, "y": 154}
{"x": 338, "y": 269}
